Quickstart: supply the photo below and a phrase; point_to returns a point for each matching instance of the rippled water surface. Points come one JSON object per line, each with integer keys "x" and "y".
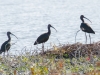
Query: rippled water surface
{"x": 27, "y": 19}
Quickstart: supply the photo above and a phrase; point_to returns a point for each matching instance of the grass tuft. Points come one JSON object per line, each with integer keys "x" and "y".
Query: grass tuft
{"x": 69, "y": 59}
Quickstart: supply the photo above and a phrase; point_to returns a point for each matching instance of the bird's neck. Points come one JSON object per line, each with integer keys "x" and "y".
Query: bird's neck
{"x": 9, "y": 38}
{"x": 49, "y": 31}
{"x": 82, "y": 20}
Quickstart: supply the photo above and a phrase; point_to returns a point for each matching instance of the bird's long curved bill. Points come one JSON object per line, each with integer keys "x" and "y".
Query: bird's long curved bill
{"x": 54, "y": 28}
{"x": 14, "y": 35}
{"x": 87, "y": 19}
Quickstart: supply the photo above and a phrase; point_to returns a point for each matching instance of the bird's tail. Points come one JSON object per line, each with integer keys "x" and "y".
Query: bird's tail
{"x": 76, "y": 35}
{"x": 93, "y": 32}
{"x": 35, "y": 43}
{"x": 0, "y": 52}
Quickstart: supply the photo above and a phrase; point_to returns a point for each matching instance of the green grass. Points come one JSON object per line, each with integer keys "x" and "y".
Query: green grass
{"x": 48, "y": 64}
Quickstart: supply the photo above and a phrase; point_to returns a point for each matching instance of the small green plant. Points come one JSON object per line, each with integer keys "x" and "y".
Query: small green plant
{"x": 48, "y": 63}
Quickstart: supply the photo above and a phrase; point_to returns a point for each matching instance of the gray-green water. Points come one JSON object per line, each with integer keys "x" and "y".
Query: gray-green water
{"x": 27, "y": 19}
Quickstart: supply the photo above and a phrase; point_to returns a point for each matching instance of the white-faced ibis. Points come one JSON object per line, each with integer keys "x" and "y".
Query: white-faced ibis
{"x": 85, "y": 28}
{"x": 7, "y": 44}
{"x": 44, "y": 37}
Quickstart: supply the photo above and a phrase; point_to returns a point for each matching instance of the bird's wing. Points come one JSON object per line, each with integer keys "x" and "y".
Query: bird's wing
{"x": 5, "y": 46}
{"x": 86, "y": 27}
{"x": 42, "y": 38}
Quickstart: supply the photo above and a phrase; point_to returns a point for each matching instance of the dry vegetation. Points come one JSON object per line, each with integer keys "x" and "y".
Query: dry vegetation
{"x": 69, "y": 59}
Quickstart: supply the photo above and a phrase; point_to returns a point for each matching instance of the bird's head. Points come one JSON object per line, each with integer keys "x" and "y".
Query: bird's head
{"x": 82, "y": 16}
{"x": 8, "y": 33}
{"x": 49, "y": 25}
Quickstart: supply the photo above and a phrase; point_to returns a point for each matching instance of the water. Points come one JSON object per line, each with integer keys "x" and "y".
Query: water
{"x": 27, "y": 19}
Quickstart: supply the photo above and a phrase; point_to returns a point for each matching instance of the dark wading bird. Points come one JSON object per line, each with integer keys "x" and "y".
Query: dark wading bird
{"x": 85, "y": 28}
{"x": 6, "y": 45}
{"x": 44, "y": 37}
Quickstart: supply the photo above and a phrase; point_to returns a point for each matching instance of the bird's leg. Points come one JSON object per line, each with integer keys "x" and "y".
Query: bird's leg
{"x": 90, "y": 38}
{"x": 4, "y": 55}
{"x": 7, "y": 53}
{"x": 43, "y": 47}
{"x": 86, "y": 37}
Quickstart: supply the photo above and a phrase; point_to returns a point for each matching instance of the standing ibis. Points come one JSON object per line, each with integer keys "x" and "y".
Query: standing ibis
{"x": 7, "y": 44}
{"x": 86, "y": 28}
{"x": 44, "y": 37}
